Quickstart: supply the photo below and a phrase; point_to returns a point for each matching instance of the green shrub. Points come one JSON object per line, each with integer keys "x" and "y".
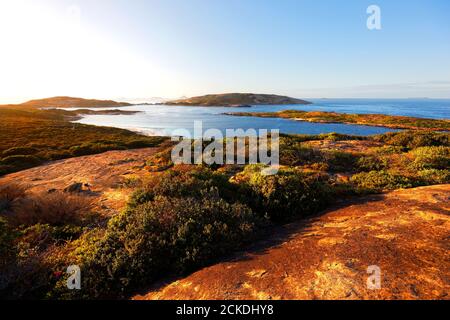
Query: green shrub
{"x": 6, "y": 169}
{"x": 135, "y": 144}
{"x": 415, "y": 139}
{"x": 160, "y": 161}
{"x": 21, "y": 161}
{"x": 163, "y": 236}
{"x": 7, "y": 237}
{"x": 371, "y": 163}
{"x": 379, "y": 181}
{"x": 434, "y": 176}
{"x": 389, "y": 150}
{"x": 19, "y": 151}
{"x": 431, "y": 158}
{"x": 8, "y": 256}
{"x": 195, "y": 182}
{"x": 339, "y": 161}
{"x": 291, "y": 193}
{"x": 296, "y": 155}
{"x": 94, "y": 148}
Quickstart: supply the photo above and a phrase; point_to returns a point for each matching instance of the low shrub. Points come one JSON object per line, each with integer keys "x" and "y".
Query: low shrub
{"x": 379, "y": 181}
{"x": 389, "y": 150}
{"x": 55, "y": 209}
{"x": 9, "y": 194}
{"x": 291, "y": 193}
{"x": 160, "y": 161}
{"x": 163, "y": 236}
{"x": 339, "y": 161}
{"x": 8, "y": 254}
{"x": 434, "y": 176}
{"x": 132, "y": 182}
{"x": 135, "y": 144}
{"x": 21, "y": 161}
{"x": 296, "y": 155}
{"x": 42, "y": 235}
{"x": 195, "y": 182}
{"x": 371, "y": 163}
{"x": 431, "y": 158}
{"x": 93, "y": 148}
{"x": 7, "y": 237}
{"x": 19, "y": 151}
{"x": 414, "y": 139}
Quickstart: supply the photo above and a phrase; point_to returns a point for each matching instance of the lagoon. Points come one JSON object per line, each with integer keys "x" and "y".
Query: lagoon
{"x": 164, "y": 120}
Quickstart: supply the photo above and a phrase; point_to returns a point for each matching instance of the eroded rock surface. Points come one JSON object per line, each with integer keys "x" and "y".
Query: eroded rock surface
{"x": 406, "y": 233}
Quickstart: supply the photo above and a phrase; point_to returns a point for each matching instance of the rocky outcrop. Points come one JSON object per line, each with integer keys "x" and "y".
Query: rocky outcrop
{"x": 405, "y": 233}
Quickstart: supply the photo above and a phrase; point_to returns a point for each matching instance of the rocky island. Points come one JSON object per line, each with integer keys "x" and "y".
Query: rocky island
{"x": 70, "y": 102}
{"x": 237, "y": 100}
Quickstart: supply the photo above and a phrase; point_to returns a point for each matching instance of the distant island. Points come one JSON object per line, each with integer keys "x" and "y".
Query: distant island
{"x": 70, "y": 102}
{"x": 236, "y": 100}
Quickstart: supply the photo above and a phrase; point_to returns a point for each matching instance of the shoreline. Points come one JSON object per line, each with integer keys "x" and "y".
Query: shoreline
{"x": 318, "y": 117}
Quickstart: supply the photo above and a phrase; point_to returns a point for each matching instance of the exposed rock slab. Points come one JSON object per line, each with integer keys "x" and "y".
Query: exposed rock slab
{"x": 406, "y": 233}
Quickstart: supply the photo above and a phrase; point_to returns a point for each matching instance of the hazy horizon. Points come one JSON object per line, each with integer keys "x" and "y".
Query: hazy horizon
{"x": 310, "y": 50}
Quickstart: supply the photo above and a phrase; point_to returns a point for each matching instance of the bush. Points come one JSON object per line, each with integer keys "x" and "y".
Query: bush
{"x": 415, "y": 139}
{"x": 290, "y": 193}
{"x": 135, "y": 144}
{"x": 371, "y": 163}
{"x": 160, "y": 161}
{"x": 6, "y": 243}
{"x": 19, "y": 151}
{"x": 93, "y": 148}
{"x": 8, "y": 255}
{"x": 21, "y": 161}
{"x": 163, "y": 236}
{"x": 431, "y": 158}
{"x": 339, "y": 161}
{"x": 434, "y": 176}
{"x": 9, "y": 194}
{"x": 55, "y": 209}
{"x": 195, "y": 182}
{"x": 379, "y": 181}
{"x": 296, "y": 155}
{"x": 389, "y": 150}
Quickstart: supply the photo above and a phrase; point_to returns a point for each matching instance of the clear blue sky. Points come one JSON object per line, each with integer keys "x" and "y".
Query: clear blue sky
{"x": 304, "y": 48}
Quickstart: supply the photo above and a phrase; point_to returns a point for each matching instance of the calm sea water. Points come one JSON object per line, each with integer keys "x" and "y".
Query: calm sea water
{"x": 163, "y": 120}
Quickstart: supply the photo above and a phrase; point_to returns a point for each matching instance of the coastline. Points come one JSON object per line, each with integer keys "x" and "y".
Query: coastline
{"x": 318, "y": 117}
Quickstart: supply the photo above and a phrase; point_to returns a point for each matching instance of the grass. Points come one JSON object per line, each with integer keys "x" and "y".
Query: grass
{"x": 31, "y": 137}
{"x": 399, "y": 122}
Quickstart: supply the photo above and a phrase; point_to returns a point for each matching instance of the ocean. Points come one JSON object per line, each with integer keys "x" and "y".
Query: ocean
{"x": 164, "y": 120}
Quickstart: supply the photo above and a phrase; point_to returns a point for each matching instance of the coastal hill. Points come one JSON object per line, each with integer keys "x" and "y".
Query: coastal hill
{"x": 237, "y": 99}
{"x": 70, "y": 102}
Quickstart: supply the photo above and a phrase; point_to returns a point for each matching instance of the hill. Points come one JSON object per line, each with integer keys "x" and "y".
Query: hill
{"x": 237, "y": 99}
{"x": 70, "y": 102}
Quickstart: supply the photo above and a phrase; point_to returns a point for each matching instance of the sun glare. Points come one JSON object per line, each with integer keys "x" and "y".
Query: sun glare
{"x": 47, "y": 52}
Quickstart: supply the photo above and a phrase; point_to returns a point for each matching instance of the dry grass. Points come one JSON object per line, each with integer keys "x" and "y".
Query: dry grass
{"x": 56, "y": 209}
{"x": 10, "y": 194}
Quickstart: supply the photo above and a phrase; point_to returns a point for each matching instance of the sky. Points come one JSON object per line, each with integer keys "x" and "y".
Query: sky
{"x": 135, "y": 50}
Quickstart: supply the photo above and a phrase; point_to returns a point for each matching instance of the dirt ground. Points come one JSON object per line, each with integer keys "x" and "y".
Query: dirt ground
{"x": 405, "y": 233}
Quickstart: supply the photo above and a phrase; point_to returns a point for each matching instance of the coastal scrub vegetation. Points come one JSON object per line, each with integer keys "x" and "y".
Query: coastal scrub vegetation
{"x": 183, "y": 217}
{"x": 31, "y": 137}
